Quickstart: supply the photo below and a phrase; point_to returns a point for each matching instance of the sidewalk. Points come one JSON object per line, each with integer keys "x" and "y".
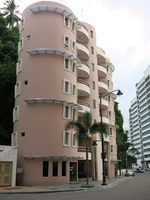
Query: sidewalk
{"x": 62, "y": 188}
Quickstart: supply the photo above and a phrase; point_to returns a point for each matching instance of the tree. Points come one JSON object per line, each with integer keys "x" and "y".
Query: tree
{"x": 122, "y": 141}
{"x": 8, "y": 58}
{"x": 83, "y": 130}
{"x": 10, "y": 11}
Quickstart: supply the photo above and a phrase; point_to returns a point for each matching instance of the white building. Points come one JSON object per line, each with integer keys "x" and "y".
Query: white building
{"x": 139, "y": 118}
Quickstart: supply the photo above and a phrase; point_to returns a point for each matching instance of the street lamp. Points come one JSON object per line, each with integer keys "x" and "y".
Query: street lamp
{"x": 102, "y": 138}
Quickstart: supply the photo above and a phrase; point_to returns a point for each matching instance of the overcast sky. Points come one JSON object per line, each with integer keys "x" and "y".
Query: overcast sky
{"x": 123, "y": 31}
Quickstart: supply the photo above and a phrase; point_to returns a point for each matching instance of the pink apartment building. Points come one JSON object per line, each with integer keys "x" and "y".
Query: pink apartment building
{"x": 60, "y": 74}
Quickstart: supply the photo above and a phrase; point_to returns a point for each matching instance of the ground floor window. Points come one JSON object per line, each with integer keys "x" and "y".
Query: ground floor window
{"x": 55, "y": 168}
{"x": 63, "y": 168}
{"x": 45, "y": 168}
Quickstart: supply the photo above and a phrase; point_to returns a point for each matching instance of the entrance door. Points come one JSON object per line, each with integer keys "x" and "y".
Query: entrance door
{"x": 73, "y": 171}
{"x": 5, "y": 174}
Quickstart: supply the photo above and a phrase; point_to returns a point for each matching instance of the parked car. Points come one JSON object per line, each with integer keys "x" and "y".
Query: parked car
{"x": 130, "y": 172}
{"x": 139, "y": 170}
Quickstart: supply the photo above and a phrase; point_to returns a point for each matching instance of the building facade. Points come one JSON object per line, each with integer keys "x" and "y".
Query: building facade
{"x": 60, "y": 74}
{"x": 139, "y": 118}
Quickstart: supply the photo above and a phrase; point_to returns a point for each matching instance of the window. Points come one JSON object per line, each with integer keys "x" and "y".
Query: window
{"x": 15, "y": 113}
{"x": 91, "y": 32}
{"x": 63, "y": 168}
{"x": 20, "y": 45}
{"x": 22, "y": 134}
{"x": 110, "y": 131}
{"x": 66, "y": 138}
{"x": 93, "y": 67}
{"x": 92, "y": 50}
{"x": 45, "y": 168}
{"x": 73, "y": 46}
{"x": 94, "y": 104}
{"x": 66, "y": 87}
{"x": 74, "y": 140}
{"x": 73, "y": 67}
{"x": 66, "y": 21}
{"x": 66, "y": 64}
{"x": 107, "y": 68}
{"x": 28, "y": 37}
{"x": 108, "y": 83}
{"x": 111, "y": 148}
{"x": 14, "y": 139}
{"x": 19, "y": 66}
{"x": 22, "y": 25}
{"x": 66, "y": 42}
{"x": 66, "y": 112}
{"x": 55, "y": 168}
{"x": 26, "y": 82}
{"x": 17, "y": 89}
{"x": 74, "y": 114}
{"x": 109, "y": 114}
{"x": 93, "y": 84}
{"x": 109, "y": 98}
{"x": 73, "y": 26}
{"x": 74, "y": 90}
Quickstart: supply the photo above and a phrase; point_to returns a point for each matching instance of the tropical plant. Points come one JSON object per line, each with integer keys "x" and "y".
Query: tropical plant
{"x": 11, "y": 13}
{"x": 83, "y": 130}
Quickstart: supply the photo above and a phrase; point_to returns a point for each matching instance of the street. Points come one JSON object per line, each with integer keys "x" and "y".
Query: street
{"x": 136, "y": 188}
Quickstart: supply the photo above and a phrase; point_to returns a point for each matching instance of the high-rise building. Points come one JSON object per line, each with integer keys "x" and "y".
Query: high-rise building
{"x": 60, "y": 74}
{"x": 139, "y": 118}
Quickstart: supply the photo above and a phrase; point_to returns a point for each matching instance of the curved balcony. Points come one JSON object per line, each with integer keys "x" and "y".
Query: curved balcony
{"x": 85, "y": 107}
{"x": 101, "y": 58}
{"x": 82, "y": 33}
{"x": 104, "y": 104}
{"x": 82, "y": 152}
{"x": 105, "y": 119}
{"x": 82, "y": 50}
{"x": 83, "y": 88}
{"x": 83, "y": 70}
{"x": 102, "y": 72}
{"x": 102, "y": 86}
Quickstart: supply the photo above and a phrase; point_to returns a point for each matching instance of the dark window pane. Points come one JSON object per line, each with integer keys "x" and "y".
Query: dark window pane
{"x": 55, "y": 168}
{"x": 63, "y": 168}
{"x": 45, "y": 168}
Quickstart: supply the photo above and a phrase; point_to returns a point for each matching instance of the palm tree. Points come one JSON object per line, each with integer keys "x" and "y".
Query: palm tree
{"x": 83, "y": 130}
{"x": 10, "y": 11}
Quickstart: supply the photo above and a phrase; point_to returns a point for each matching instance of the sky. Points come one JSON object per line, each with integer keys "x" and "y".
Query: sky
{"x": 123, "y": 31}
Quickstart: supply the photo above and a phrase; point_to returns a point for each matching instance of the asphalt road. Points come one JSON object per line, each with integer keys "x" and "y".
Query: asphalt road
{"x": 136, "y": 188}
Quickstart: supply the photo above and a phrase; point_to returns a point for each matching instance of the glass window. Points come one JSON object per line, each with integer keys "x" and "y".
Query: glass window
{"x": 73, "y": 46}
{"x": 66, "y": 87}
{"x": 74, "y": 140}
{"x": 73, "y": 67}
{"x": 92, "y": 50}
{"x": 66, "y": 64}
{"x": 66, "y": 41}
{"x": 109, "y": 98}
{"x": 66, "y": 21}
{"x": 66, "y": 138}
{"x": 93, "y": 67}
{"x": 111, "y": 148}
{"x": 110, "y": 131}
{"x": 74, "y": 114}
{"x": 63, "y": 168}
{"x": 66, "y": 112}
{"x": 94, "y": 104}
{"x": 45, "y": 168}
{"x": 55, "y": 168}
{"x": 93, "y": 84}
{"x": 73, "y": 26}
{"x": 74, "y": 90}
{"x": 109, "y": 114}
{"x": 91, "y": 32}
